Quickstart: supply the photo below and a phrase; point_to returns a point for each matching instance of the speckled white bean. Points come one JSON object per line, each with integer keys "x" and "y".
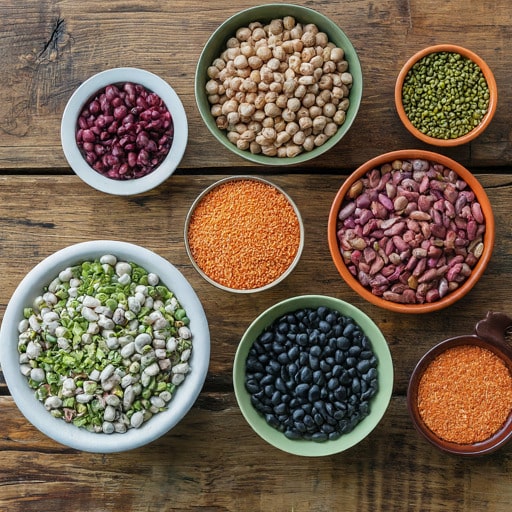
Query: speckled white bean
{"x": 137, "y": 419}
{"x": 108, "y": 259}
{"x": 184, "y": 332}
{"x": 89, "y": 314}
{"x": 109, "y": 414}
{"x": 91, "y": 302}
{"x": 152, "y": 370}
{"x": 153, "y": 279}
{"x": 185, "y": 355}
{"x": 124, "y": 279}
{"x": 141, "y": 341}
{"x": 53, "y": 402}
{"x": 178, "y": 378}
{"x": 123, "y": 268}
{"x": 66, "y": 275}
{"x": 33, "y": 349}
{"x": 83, "y": 398}
{"x": 181, "y": 368}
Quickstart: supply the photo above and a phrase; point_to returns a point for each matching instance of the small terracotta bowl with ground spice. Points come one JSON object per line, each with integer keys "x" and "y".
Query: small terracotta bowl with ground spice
{"x": 244, "y": 234}
{"x": 411, "y": 231}
{"x": 124, "y": 131}
{"x": 460, "y": 392}
{"x": 446, "y": 95}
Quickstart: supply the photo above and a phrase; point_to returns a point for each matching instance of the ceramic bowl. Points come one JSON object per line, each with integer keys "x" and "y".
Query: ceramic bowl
{"x": 485, "y": 120}
{"x": 66, "y": 433}
{"x": 489, "y": 335}
{"x": 378, "y": 403}
{"x": 216, "y": 44}
{"x": 223, "y": 230}
{"x": 366, "y": 291}
{"x": 88, "y": 90}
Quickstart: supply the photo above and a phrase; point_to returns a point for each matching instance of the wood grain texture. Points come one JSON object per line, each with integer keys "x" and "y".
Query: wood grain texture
{"x": 212, "y": 461}
{"x": 51, "y": 47}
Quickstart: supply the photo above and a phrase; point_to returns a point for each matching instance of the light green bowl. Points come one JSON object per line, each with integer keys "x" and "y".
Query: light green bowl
{"x": 265, "y": 13}
{"x": 378, "y": 403}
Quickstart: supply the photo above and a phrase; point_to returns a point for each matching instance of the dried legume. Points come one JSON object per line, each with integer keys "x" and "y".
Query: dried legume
{"x": 411, "y": 231}
{"x": 279, "y": 89}
{"x": 244, "y": 234}
{"x": 105, "y": 346}
{"x": 312, "y": 373}
{"x": 125, "y": 131}
{"x": 465, "y": 394}
{"x": 445, "y": 95}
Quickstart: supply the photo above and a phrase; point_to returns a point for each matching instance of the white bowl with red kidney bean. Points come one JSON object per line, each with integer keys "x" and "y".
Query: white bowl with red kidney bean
{"x": 124, "y": 131}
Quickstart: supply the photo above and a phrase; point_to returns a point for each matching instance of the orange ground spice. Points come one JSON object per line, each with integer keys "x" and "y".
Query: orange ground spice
{"x": 465, "y": 394}
{"x": 244, "y": 234}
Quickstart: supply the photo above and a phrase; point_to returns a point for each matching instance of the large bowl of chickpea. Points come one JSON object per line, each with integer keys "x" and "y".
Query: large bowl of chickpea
{"x": 278, "y": 84}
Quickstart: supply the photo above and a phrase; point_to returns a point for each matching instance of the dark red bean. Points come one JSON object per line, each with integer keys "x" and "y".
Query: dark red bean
{"x": 119, "y": 120}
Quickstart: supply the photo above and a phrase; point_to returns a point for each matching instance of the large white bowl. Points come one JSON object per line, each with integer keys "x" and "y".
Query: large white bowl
{"x": 85, "y": 92}
{"x": 66, "y": 433}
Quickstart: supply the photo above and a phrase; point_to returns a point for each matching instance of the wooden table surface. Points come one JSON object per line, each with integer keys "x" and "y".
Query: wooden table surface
{"x": 212, "y": 461}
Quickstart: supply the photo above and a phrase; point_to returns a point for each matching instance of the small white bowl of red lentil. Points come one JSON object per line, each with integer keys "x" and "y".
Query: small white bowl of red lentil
{"x": 244, "y": 234}
{"x": 124, "y": 131}
{"x": 460, "y": 392}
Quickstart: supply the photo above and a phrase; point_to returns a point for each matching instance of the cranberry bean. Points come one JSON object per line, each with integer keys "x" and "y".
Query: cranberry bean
{"x": 418, "y": 229}
{"x": 125, "y": 131}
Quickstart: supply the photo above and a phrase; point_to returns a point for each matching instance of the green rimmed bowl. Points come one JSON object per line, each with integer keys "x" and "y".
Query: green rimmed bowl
{"x": 378, "y": 404}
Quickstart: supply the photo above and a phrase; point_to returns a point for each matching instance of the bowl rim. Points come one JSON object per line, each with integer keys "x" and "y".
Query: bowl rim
{"x": 380, "y": 401}
{"x": 91, "y": 86}
{"x": 215, "y": 185}
{"x": 261, "y": 12}
{"x": 491, "y": 83}
{"x": 478, "y": 270}
{"x": 65, "y": 433}
{"x": 493, "y": 443}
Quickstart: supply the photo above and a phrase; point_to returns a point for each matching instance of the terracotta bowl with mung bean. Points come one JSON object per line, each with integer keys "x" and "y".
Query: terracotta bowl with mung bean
{"x": 460, "y": 393}
{"x": 124, "y": 131}
{"x": 244, "y": 234}
{"x": 278, "y": 84}
{"x": 104, "y": 346}
{"x": 411, "y": 231}
{"x": 446, "y": 95}
{"x": 313, "y": 375}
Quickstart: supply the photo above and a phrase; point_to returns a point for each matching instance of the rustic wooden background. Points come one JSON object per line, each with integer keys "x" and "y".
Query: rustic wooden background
{"x": 212, "y": 461}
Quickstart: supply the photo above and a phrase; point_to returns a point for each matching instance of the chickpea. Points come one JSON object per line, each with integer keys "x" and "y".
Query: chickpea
{"x": 240, "y": 61}
{"x": 233, "y": 137}
{"x": 329, "y": 110}
{"x": 288, "y": 22}
{"x": 243, "y": 34}
{"x": 242, "y": 144}
{"x": 280, "y": 88}
{"x": 254, "y": 148}
{"x": 292, "y": 128}
{"x": 321, "y": 39}
{"x": 339, "y": 117}
{"x": 337, "y": 54}
{"x": 292, "y": 150}
{"x": 272, "y": 110}
{"x": 330, "y": 129}
{"x": 258, "y": 33}
{"x": 308, "y": 38}
{"x": 305, "y": 123}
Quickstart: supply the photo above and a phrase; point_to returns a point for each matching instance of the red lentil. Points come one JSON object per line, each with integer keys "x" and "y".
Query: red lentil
{"x": 244, "y": 234}
{"x": 465, "y": 394}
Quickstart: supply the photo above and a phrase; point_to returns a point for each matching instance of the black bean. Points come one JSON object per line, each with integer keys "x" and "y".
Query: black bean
{"x": 306, "y": 375}
{"x": 302, "y": 390}
{"x": 311, "y": 374}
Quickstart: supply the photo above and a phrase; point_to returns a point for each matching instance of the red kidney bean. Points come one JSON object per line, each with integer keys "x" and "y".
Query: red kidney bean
{"x": 125, "y": 131}
{"x": 411, "y": 231}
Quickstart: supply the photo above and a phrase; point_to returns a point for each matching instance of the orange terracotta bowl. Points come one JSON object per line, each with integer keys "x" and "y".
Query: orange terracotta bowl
{"x": 489, "y": 335}
{"x": 369, "y": 292}
{"x": 485, "y": 120}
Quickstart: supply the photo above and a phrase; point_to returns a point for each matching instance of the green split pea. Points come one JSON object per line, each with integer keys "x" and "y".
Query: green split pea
{"x": 445, "y": 95}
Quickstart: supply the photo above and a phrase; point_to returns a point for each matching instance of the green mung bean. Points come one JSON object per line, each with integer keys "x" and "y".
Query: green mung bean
{"x": 445, "y": 95}
{"x": 104, "y": 342}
